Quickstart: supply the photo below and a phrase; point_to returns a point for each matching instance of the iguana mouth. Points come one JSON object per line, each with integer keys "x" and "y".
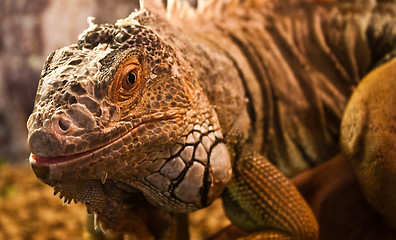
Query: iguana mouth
{"x": 61, "y": 159}
{"x": 35, "y": 159}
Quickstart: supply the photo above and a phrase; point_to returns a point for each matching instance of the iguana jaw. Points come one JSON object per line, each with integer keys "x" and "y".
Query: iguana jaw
{"x": 123, "y": 140}
{"x": 194, "y": 168}
{"x": 50, "y": 168}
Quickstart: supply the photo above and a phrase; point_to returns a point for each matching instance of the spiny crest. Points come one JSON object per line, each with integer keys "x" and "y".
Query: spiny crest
{"x": 181, "y": 9}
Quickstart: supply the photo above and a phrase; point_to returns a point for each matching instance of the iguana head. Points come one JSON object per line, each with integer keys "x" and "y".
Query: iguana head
{"x": 123, "y": 104}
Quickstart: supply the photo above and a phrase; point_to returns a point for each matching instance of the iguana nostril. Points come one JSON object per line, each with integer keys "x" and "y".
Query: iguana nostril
{"x": 64, "y": 125}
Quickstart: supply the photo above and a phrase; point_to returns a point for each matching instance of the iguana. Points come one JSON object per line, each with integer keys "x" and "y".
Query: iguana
{"x": 180, "y": 106}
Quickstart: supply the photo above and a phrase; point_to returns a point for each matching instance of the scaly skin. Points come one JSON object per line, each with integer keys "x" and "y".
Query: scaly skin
{"x": 229, "y": 101}
{"x": 369, "y": 121}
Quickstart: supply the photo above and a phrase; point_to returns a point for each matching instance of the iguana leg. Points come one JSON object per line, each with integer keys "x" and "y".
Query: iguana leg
{"x": 368, "y": 138}
{"x": 261, "y": 200}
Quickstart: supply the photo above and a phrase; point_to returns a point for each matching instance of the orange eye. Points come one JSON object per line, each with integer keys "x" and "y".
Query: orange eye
{"x": 127, "y": 81}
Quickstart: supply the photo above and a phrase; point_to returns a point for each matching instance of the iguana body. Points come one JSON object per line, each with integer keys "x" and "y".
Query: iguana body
{"x": 167, "y": 108}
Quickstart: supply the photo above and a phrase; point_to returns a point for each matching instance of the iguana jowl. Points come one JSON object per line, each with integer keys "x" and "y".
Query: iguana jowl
{"x": 169, "y": 107}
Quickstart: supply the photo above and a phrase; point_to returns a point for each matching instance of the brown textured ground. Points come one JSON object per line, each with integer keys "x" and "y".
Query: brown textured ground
{"x": 29, "y": 211}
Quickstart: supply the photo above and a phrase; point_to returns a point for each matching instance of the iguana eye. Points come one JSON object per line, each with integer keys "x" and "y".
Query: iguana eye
{"x": 127, "y": 81}
{"x": 130, "y": 80}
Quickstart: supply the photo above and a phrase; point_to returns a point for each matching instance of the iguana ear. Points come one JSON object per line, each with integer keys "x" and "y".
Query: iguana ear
{"x": 155, "y": 6}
